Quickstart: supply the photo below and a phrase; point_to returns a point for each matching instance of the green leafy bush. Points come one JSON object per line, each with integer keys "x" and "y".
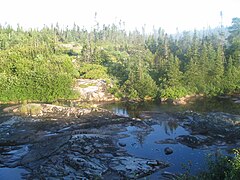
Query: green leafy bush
{"x": 219, "y": 167}
{"x": 173, "y": 92}
{"x": 93, "y": 71}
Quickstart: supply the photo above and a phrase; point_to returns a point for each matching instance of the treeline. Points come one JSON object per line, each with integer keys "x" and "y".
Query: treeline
{"x": 42, "y": 64}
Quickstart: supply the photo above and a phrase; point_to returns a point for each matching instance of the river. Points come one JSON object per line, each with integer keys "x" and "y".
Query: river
{"x": 184, "y": 159}
{"x": 29, "y": 146}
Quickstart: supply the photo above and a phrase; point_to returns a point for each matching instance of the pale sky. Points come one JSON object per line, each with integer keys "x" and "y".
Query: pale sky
{"x": 168, "y": 14}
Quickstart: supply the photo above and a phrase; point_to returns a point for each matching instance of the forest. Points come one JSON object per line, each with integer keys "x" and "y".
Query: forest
{"x": 42, "y": 64}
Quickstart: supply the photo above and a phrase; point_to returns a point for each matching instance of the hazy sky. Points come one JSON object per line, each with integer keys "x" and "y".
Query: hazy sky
{"x": 168, "y": 14}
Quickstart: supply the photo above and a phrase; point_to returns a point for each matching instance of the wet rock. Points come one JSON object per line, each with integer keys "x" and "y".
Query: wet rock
{"x": 45, "y": 148}
{"x": 167, "y": 141}
{"x": 133, "y": 167}
{"x": 237, "y": 101}
{"x": 217, "y": 126}
{"x": 90, "y": 166}
{"x": 121, "y": 144}
{"x": 169, "y": 175}
{"x": 12, "y": 155}
{"x": 192, "y": 141}
{"x": 72, "y": 148}
{"x": 11, "y": 121}
{"x": 168, "y": 150}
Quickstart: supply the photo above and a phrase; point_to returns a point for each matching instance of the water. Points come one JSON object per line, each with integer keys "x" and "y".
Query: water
{"x": 182, "y": 156}
{"x": 183, "y": 159}
{"x": 198, "y": 105}
{"x": 142, "y": 142}
{"x": 12, "y": 173}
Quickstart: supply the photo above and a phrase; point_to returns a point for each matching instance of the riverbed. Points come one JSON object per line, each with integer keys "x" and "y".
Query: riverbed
{"x": 131, "y": 142}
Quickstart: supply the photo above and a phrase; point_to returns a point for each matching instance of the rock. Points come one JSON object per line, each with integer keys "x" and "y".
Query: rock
{"x": 213, "y": 126}
{"x": 93, "y": 90}
{"x": 71, "y": 148}
{"x": 50, "y": 110}
{"x": 122, "y": 144}
{"x": 237, "y": 101}
{"x": 90, "y": 166}
{"x": 169, "y": 175}
{"x": 168, "y": 150}
{"x": 190, "y": 141}
{"x": 11, "y": 108}
{"x": 180, "y": 101}
{"x": 133, "y": 167}
{"x": 167, "y": 141}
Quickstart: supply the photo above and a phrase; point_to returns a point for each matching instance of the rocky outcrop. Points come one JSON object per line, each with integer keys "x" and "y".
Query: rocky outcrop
{"x": 208, "y": 129}
{"x": 93, "y": 90}
{"x": 74, "y": 148}
{"x": 183, "y": 100}
{"x": 49, "y": 110}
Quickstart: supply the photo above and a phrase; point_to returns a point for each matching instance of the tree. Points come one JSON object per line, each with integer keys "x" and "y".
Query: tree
{"x": 172, "y": 81}
{"x": 234, "y": 41}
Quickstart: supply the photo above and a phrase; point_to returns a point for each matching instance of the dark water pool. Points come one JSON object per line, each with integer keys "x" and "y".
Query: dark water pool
{"x": 12, "y": 173}
{"x": 198, "y": 105}
{"x": 184, "y": 158}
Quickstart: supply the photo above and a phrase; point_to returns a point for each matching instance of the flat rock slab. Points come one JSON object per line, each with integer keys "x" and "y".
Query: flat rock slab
{"x": 133, "y": 167}
{"x": 72, "y": 148}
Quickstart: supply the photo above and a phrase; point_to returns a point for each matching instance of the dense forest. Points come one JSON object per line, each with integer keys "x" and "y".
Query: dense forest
{"x": 42, "y": 64}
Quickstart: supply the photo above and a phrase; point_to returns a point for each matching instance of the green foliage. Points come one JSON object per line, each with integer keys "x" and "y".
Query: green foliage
{"x": 234, "y": 40}
{"x": 33, "y": 74}
{"x": 173, "y": 92}
{"x": 42, "y": 64}
{"x": 93, "y": 71}
{"x": 234, "y": 170}
{"x": 224, "y": 168}
{"x": 139, "y": 84}
{"x": 219, "y": 167}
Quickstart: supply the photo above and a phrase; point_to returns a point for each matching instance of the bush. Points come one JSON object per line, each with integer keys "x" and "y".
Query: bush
{"x": 93, "y": 71}
{"x": 173, "y": 92}
{"x": 219, "y": 167}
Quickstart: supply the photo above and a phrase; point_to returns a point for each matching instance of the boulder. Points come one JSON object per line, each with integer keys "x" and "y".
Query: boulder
{"x": 168, "y": 150}
{"x": 93, "y": 90}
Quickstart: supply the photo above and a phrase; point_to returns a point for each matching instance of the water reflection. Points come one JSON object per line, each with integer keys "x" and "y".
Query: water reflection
{"x": 141, "y": 141}
{"x": 199, "y": 105}
{"x": 143, "y": 144}
{"x": 169, "y": 127}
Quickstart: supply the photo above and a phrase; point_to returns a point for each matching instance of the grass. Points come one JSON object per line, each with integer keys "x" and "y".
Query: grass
{"x": 30, "y": 109}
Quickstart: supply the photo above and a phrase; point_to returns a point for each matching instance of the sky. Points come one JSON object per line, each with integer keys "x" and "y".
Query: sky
{"x": 167, "y": 14}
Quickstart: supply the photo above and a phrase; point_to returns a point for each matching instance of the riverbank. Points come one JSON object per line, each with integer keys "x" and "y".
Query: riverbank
{"x": 103, "y": 144}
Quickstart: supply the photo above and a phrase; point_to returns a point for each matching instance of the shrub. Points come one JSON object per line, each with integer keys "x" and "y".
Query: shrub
{"x": 173, "y": 92}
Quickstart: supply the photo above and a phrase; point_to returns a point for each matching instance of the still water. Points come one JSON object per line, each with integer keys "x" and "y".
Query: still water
{"x": 12, "y": 173}
{"x": 197, "y": 105}
{"x": 183, "y": 159}
{"x": 141, "y": 142}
